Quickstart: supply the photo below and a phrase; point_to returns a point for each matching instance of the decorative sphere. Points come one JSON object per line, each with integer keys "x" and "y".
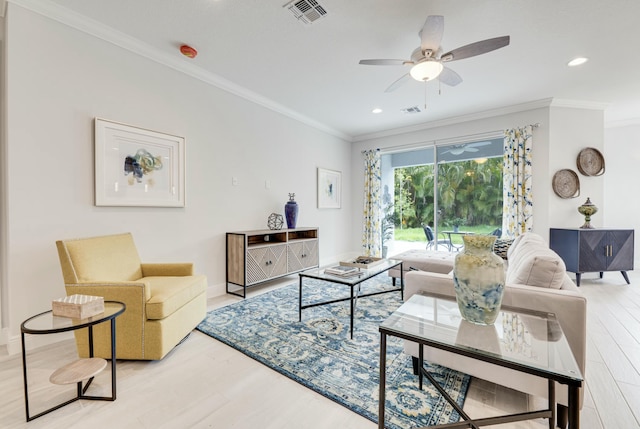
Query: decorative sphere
{"x": 275, "y": 221}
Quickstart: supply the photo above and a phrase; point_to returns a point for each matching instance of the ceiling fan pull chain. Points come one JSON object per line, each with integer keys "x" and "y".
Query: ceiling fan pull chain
{"x": 425, "y": 95}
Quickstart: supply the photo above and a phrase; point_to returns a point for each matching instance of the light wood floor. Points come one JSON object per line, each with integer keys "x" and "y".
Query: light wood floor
{"x": 205, "y": 384}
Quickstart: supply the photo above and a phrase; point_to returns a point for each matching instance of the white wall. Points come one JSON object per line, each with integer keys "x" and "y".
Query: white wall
{"x": 571, "y": 131}
{"x": 4, "y": 316}
{"x": 59, "y": 79}
{"x": 622, "y": 176}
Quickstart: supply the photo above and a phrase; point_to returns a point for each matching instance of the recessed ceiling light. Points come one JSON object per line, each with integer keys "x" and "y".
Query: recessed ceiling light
{"x": 377, "y": 110}
{"x": 577, "y": 61}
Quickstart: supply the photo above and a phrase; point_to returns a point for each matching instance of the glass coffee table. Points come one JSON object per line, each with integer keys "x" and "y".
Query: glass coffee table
{"x": 353, "y": 283}
{"x": 526, "y": 341}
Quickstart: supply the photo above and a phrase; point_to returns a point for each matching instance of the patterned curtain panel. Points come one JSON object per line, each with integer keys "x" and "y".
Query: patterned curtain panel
{"x": 372, "y": 231}
{"x": 517, "y": 210}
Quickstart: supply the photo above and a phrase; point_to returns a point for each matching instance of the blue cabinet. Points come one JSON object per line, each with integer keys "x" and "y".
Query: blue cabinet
{"x": 594, "y": 250}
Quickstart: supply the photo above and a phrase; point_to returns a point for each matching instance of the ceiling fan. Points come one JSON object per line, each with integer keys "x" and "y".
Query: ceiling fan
{"x": 459, "y": 149}
{"x": 427, "y": 59}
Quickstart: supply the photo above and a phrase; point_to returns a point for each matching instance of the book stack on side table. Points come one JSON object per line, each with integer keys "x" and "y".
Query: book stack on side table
{"x": 342, "y": 271}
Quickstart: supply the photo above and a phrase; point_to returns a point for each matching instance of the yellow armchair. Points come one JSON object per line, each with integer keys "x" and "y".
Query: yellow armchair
{"x": 165, "y": 301}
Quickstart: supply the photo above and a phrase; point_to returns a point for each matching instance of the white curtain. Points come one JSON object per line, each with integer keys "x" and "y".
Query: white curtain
{"x": 517, "y": 212}
{"x": 372, "y": 227}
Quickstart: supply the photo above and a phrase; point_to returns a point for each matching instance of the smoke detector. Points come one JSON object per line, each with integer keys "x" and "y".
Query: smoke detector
{"x": 306, "y": 11}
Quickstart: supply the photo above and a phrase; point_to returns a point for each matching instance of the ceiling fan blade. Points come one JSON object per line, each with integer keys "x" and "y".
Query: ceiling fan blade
{"x": 455, "y": 151}
{"x": 398, "y": 83}
{"x": 460, "y": 149}
{"x": 478, "y": 144}
{"x": 449, "y": 77}
{"x": 431, "y": 34}
{"x": 385, "y": 62}
{"x": 477, "y": 48}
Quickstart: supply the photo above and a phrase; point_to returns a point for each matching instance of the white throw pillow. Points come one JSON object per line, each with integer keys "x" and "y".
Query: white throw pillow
{"x": 523, "y": 240}
{"x": 532, "y": 263}
{"x": 540, "y": 270}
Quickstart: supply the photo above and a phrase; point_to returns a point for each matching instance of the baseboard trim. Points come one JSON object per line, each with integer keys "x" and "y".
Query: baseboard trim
{"x": 13, "y": 345}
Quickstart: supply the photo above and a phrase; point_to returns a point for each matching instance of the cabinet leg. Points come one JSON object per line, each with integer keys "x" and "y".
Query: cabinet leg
{"x": 626, "y": 277}
{"x": 601, "y": 274}
{"x": 578, "y": 279}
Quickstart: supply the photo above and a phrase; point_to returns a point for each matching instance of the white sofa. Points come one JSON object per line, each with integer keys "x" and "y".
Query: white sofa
{"x": 536, "y": 279}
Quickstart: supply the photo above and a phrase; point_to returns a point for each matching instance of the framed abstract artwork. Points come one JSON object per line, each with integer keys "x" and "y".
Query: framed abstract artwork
{"x": 329, "y": 189}
{"x": 138, "y": 167}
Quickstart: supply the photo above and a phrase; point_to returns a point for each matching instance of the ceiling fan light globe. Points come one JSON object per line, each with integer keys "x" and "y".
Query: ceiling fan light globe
{"x": 426, "y": 70}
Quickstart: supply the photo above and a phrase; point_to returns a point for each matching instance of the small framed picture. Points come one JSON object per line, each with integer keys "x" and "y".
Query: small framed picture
{"x": 329, "y": 189}
{"x": 138, "y": 167}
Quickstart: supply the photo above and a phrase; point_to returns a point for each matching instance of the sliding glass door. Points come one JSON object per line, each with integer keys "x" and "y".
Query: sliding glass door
{"x": 453, "y": 189}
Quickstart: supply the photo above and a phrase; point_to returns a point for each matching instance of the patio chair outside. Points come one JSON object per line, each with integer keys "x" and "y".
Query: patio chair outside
{"x": 432, "y": 243}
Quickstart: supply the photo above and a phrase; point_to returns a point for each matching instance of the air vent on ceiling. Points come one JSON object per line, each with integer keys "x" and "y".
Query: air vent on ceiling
{"x": 411, "y": 110}
{"x": 306, "y": 11}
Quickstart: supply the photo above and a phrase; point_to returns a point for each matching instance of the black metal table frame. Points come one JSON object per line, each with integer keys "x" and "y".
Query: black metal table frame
{"x": 81, "y": 390}
{"x": 468, "y": 422}
{"x": 353, "y": 298}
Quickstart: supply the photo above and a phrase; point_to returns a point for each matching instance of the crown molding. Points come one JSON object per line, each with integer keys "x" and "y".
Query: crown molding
{"x": 99, "y": 30}
{"x": 622, "y": 123}
{"x": 578, "y": 104}
{"x": 537, "y": 104}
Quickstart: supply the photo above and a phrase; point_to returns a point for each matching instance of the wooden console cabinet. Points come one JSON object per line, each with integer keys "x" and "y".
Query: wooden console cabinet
{"x": 594, "y": 250}
{"x": 254, "y": 257}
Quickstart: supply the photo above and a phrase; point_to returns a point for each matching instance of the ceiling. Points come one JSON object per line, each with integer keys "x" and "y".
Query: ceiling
{"x": 313, "y": 70}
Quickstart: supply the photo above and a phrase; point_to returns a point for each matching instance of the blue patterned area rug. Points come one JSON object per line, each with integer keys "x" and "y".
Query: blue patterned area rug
{"x": 319, "y": 354}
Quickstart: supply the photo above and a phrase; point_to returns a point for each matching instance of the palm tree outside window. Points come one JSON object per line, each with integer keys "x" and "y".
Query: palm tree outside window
{"x": 456, "y": 185}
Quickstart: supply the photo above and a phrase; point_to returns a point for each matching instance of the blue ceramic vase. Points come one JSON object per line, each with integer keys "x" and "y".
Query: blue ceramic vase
{"x": 478, "y": 278}
{"x": 291, "y": 212}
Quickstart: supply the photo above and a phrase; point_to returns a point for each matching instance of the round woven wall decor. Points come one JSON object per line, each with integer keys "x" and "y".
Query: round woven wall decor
{"x": 566, "y": 184}
{"x": 590, "y": 162}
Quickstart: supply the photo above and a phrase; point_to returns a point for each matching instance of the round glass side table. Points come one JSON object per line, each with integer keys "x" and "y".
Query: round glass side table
{"x": 79, "y": 370}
